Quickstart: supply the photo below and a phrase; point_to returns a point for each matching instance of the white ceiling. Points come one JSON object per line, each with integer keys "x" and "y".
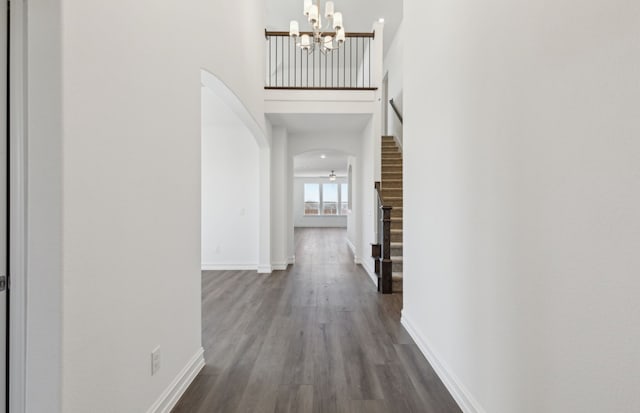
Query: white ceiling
{"x": 310, "y": 164}
{"x": 317, "y": 122}
{"x": 358, "y": 15}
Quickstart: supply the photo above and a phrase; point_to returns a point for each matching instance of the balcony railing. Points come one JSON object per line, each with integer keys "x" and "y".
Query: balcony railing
{"x": 346, "y": 68}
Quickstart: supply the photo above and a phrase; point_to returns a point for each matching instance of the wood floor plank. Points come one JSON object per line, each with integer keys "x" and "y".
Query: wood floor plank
{"x": 315, "y": 338}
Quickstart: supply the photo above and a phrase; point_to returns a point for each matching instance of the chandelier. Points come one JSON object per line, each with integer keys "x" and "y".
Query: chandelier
{"x": 332, "y": 176}
{"x": 320, "y": 37}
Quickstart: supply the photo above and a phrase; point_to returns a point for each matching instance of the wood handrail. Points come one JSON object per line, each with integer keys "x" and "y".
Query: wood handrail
{"x": 395, "y": 109}
{"x": 268, "y": 33}
{"x": 378, "y": 186}
{"x": 317, "y": 88}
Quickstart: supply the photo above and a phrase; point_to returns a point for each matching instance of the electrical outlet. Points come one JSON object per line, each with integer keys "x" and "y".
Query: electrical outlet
{"x": 155, "y": 361}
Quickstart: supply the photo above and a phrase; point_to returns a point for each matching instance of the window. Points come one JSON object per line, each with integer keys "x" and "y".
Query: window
{"x": 311, "y": 199}
{"x": 329, "y": 199}
{"x": 344, "y": 199}
{"x": 326, "y": 199}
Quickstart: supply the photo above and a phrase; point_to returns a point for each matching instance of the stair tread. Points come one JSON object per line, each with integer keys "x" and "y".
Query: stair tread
{"x": 397, "y": 258}
{"x": 396, "y": 275}
{"x": 395, "y": 244}
{"x": 396, "y": 230}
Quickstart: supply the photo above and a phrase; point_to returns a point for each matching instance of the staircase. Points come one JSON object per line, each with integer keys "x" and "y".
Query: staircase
{"x": 391, "y": 189}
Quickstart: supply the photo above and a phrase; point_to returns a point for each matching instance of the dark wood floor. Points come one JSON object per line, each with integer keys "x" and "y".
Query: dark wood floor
{"x": 315, "y": 338}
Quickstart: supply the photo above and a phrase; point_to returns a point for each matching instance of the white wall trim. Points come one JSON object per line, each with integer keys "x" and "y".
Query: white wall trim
{"x": 229, "y": 267}
{"x": 356, "y": 258}
{"x": 351, "y": 246}
{"x": 17, "y": 227}
{"x": 370, "y": 272}
{"x": 179, "y": 385}
{"x": 279, "y": 266}
{"x": 292, "y": 259}
{"x": 458, "y": 390}
{"x": 264, "y": 269}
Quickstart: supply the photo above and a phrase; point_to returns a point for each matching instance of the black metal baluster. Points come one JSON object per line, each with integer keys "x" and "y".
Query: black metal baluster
{"x": 269, "y": 60}
{"x": 289, "y": 61}
{"x": 355, "y": 69}
{"x": 350, "y": 62}
{"x": 307, "y": 69}
{"x": 363, "y": 62}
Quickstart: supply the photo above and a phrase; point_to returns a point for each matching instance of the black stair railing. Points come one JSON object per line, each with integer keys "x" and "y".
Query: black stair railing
{"x": 395, "y": 110}
{"x": 381, "y": 251}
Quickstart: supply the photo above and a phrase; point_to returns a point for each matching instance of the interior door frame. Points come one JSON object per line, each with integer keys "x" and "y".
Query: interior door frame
{"x": 17, "y": 326}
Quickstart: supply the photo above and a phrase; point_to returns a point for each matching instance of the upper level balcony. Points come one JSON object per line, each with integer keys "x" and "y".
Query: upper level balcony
{"x": 347, "y": 77}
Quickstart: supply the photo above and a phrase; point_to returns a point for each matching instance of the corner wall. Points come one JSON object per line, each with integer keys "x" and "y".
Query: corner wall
{"x": 230, "y": 203}
{"x": 366, "y": 194}
{"x": 393, "y": 66}
{"x": 522, "y": 229}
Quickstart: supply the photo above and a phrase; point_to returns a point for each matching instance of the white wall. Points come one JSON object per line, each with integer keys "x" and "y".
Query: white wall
{"x": 280, "y": 172}
{"x": 114, "y": 190}
{"x": 366, "y": 197}
{"x": 353, "y": 217}
{"x": 522, "y": 162}
{"x": 313, "y": 221}
{"x": 43, "y": 382}
{"x": 393, "y": 66}
{"x": 230, "y": 204}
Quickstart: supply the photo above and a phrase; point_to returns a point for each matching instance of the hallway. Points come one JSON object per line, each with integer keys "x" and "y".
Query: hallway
{"x": 314, "y": 338}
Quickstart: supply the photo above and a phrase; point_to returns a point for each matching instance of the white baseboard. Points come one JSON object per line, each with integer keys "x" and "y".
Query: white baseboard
{"x": 292, "y": 259}
{"x": 370, "y": 271}
{"x": 264, "y": 269}
{"x": 179, "y": 385}
{"x": 279, "y": 266}
{"x": 351, "y": 246}
{"x": 460, "y": 394}
{"x": 356, "y": 258}
{"x": 228, "y": 267}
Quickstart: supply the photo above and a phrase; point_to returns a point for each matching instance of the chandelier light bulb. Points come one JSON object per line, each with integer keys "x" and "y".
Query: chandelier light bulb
{"x": 340, "y": 35}
{"x": 313, "y": 14}
{"x": 307, "y": 7}
{"x": 294, "y": 29}
{"x": 328, "y": 13}
{"x": 337, "y": 21}
{"x": 305, "y": 42}
{"x": 328, "y": 42}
